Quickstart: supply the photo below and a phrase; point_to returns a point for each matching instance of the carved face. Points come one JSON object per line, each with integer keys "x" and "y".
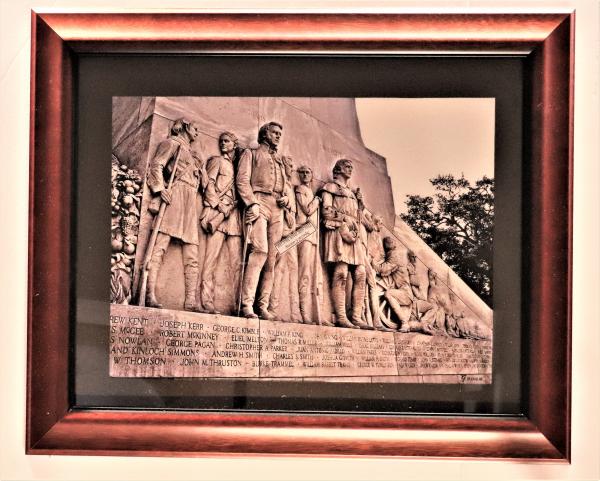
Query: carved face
{"x": 432, "y": 277}
{"x": 346, "y": 169}
{"x": 192, "y": 132}
{"x": 273, "y": 135}
{"x": 389, "y": 244}
{"x": 305, "y": 175}
{"x": 226, "y": 145}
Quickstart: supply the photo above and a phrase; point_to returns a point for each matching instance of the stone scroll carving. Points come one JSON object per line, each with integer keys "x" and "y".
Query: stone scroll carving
{"x": 309, "y": 248}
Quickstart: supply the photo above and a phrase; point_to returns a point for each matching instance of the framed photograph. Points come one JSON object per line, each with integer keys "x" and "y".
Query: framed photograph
{"x": 317, "y": 234}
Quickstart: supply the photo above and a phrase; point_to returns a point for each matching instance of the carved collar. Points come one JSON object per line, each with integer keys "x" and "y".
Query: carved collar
{"x": 343, "y": 186}
{"x": 183, "y": 141}
{"x": 268, "y": 148}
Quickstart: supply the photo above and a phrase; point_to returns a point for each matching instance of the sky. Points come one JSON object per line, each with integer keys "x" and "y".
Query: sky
{"x": 421, "y": 138}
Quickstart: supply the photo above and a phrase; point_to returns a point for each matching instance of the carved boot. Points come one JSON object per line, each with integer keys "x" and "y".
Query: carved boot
{"x": 338, "y": 298}
{"x": 265, "y": 289}
{"x": 207, "y": 290}
{"x": 400, "y": 313}
{"x": 305, "y": 315}
{"x": 151, "y": 300}
{"x": 191, "y": 283}
{"x": 250, "y": 283}
{"x": 304, "y": 295}
{"x": 358, "y": 303}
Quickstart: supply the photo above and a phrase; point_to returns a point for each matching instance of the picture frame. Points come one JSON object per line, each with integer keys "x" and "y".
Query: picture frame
{"x": 55, "y": 426}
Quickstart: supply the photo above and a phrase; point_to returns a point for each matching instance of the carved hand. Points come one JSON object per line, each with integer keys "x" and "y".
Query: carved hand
{"x": 252, "y": 213}
{"x": 283, "y": 201}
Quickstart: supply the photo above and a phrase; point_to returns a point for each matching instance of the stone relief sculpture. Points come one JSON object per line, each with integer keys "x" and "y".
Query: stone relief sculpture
{"x": 415, "y": 282}
{"x": 352, "y": 241}
{"x": 437, "y": 309}
{"x": 342, "y": 215}
{"x": 264, "y": 186}
{"x": 286, "y": 264}
{"x": 461, "y": 324}
{"x": 299, "y": 249}
{"x": 250, "y": 204}
{"x": 174, "y": 178}
{"x": 371, "y": 241}
{"x": 221, "y": 217}
{"x": 309, "y": 259}
{"x": 398, "y": 291}
{"x": 126, "y": 198}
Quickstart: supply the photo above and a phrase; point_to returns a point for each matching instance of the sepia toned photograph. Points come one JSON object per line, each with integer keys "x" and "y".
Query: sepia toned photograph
{"x": 304, "y": 239}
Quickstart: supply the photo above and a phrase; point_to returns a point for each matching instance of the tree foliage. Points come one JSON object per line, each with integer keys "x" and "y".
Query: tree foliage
{"x": 457, "y": 222}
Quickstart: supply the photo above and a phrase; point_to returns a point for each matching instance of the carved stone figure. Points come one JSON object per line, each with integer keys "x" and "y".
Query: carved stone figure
{"x": 462, "y": 324}
{"x": 415, "y": 282}
{"x": 309, "y": 259}
{"x": 399, "y": 295}
{"x": 264, "y": 187}
{"x": 373, "y": 251}
{"x": 286, "y": 263}
{"x": 433, "y": 319}
{"x": 175, "y": 160}
{"x": 220, "y": 219}
{"x": 342, "y": 212}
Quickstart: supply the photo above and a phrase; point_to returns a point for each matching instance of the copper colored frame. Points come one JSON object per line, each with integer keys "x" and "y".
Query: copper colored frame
{"x": 55, "y": 427}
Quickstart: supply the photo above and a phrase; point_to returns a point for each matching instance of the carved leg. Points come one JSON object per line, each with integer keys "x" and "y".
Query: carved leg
{"x": 235, "y": 248}
{"x": 338, "y": 294}
{"x": 256, "y": 261}
{"x": 160, "y": 247}
{"x": 211, "y": 258}
{"x": 358, "y": 297}
{"x": 305, "y": 262}
{"x": 292, "y": 263}
{"x": 396, "y": 300}
{"x": 151, "y": 300}
{"x": 190, "y": 270}
{"x": 281, "y": 268}
{"x": 274, "y": 231}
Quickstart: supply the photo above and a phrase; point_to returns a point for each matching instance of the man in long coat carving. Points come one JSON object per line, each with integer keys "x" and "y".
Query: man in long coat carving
{"x": 180, "y": 220}
{"x": 342, "y": 217}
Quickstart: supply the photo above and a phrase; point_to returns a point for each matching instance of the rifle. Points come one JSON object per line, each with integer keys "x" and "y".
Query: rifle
{"x": 152, "y": 241}
{"x": 244, "y": 262}
{"x": 318, "y": 280}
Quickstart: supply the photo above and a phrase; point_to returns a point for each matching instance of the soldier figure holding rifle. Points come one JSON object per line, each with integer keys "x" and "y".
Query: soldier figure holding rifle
{"x": 178, "y": 215}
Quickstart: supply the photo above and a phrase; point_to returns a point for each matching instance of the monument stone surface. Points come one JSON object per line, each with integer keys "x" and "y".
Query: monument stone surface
{"x": 230, "y": 167}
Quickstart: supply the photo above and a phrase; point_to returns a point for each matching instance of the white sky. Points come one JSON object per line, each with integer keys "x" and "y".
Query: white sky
{"x": 421, "y": 138}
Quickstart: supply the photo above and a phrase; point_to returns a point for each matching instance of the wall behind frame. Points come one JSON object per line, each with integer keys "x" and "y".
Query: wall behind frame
{"x": 14, "y": 77}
